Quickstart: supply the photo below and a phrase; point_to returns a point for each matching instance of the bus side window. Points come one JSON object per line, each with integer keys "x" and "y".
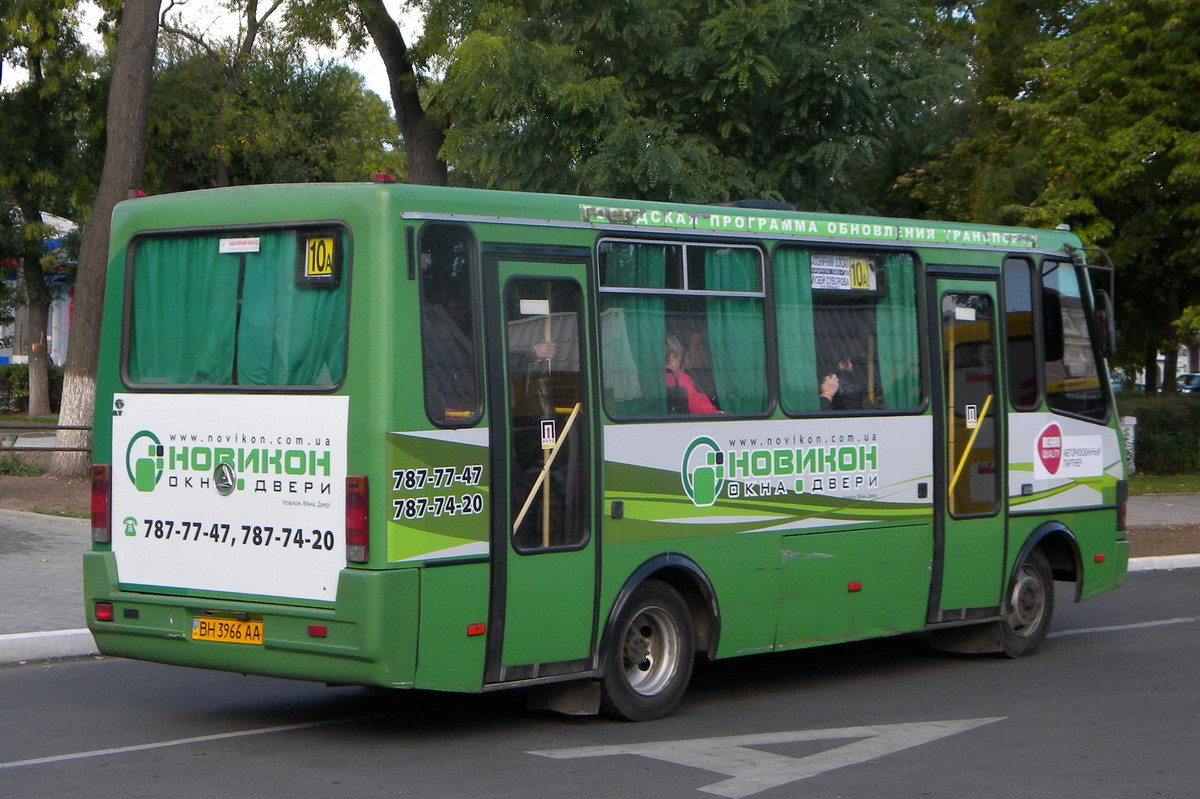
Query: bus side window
{"x": 1072, "y": 373}
{"x": 704, "y": 302}
{"x": 1019, "y": 326}
{"x": 847, "y": 330}
{"x": 449, "y": 334}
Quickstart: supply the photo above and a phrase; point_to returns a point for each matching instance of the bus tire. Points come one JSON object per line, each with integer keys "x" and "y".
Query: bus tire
{"x": 647, "y": 661}
{"x": 1029, "y": 608}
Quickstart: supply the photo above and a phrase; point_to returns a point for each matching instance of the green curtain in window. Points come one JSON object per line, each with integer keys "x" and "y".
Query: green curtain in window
{"x": 184, "y": 303}
{"x": 735, "y": 331}
{"x": 896, "y": 326}
{"x": 634, "y": 332}
{"x": 288, "y": 335}
{"x": 798, "y": 385}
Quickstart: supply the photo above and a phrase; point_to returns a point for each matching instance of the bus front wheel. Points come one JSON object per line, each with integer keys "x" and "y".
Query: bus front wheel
{"x": 648, "y": 659}
{"x": 1030, "y": 607}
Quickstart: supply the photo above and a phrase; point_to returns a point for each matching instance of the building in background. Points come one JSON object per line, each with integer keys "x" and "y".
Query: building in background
{"x": 62, "y": 289}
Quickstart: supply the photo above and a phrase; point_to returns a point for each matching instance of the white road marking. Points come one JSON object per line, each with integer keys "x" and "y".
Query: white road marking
{"x": 1120, "y": 627}
{"x": 751, "y": 770}
{"x": 120, "y": 750}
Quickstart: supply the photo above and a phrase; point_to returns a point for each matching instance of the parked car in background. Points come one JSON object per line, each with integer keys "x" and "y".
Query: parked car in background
{"x": 1188, "y": 383}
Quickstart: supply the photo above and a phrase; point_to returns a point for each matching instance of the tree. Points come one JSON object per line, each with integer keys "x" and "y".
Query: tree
{"x": 39, "y": 123}
{"x": 690, "y": 100}
{"x": 330, "y": 22}
{"x": 231, "y": 56}
{"x": 288, "y": 121}
{"x": 1112, "y": 118}
{"x": 124, "y": 162}
{"x": 423, "y": 132}
{"x": 985, "y": 171}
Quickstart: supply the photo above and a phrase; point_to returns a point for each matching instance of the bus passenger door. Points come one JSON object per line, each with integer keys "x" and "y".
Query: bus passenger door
{"x": 969, "y": 522}
{"x": 543, "y": 595}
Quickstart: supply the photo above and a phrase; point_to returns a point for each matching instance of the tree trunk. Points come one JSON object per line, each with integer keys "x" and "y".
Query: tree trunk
{"x": 1170, "y": 368}
{"x": 1173, "y": 308}
{"x": 37, "y": 315}
{"x": 423, "y": 134}
{"x": 124, "y": 167}
{"x": 1150, "y": 366}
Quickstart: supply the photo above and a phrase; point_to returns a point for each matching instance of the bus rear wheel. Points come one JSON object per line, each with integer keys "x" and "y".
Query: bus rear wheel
{"x": 648, "y": 659}
{"x": 1029, "y": 608}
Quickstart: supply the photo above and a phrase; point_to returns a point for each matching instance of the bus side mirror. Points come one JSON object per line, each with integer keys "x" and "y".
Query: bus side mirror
{"x": 1106, "y": 324}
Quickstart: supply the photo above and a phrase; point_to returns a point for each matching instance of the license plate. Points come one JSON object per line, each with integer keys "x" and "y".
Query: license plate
{"x": 228, "y": 631}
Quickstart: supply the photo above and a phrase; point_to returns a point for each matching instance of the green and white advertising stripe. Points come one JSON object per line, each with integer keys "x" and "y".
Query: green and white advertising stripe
{"x": 440, "y": 497}
{"x": 763, "y": 476}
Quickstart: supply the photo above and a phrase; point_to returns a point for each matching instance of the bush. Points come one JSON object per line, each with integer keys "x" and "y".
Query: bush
{"x": 1168, "y": 432}
{"x": 15, "y": 467}
{"x": 14, "y": 388}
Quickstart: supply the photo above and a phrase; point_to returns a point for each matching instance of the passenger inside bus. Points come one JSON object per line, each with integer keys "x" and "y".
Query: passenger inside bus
{"x": 697, "y": 362}
{"x": 839, "y": 387}
{"x": 682, "y": 394}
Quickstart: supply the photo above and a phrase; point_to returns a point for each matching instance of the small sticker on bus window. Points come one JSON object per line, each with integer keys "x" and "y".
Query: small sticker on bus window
{"x": 549, "y": 436}
{"x": 843, "y": 273}
{"x": 319, "y": 260}
{"x": 535, "y": 307}
{"x": 319, "y": 257}
{"x": 964, "y": 314}
{"x": 239, "y": 245}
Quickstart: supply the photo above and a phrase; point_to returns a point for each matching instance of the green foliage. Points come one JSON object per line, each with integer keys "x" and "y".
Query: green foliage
{"x": 1085, "y": 113}
{"x": 13, "y": 466}
{"x": 14, "y": 387}
{"x": 287, "y": 120}
{"x": 41, "y": 117}
{"x": 1142, "y": 484}
{"x": 690, "y": 101}
{"x": 1168, "y": 432}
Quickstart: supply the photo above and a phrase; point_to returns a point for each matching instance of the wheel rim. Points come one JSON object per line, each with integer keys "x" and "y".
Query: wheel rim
{"x": 1028, "y": 602}
{"x": 650, "y": 655}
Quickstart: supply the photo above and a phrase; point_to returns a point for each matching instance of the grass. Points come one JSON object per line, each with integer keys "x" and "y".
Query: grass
{"x": 15, "y": 467}
{"x": 1140, "y": 484}
{"x": 20, "y": 418}
{"x": 65, "y": 514}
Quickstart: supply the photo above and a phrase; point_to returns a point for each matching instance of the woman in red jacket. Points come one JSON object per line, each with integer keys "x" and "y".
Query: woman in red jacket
{"x": 697, "y": 401}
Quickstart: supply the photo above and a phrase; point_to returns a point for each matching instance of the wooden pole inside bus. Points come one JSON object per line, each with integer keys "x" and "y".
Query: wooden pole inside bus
{"x": 970, "y": 443}
{"x": 951, "y": 424}
{"x": 541, "y": 479}
{"x": 547, "y": 386}
{"x": 871, "y": 368}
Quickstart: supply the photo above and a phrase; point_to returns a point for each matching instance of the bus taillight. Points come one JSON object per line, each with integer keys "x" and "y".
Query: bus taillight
{"x": 357, "y": 549}
{"x": 101, "y": 517}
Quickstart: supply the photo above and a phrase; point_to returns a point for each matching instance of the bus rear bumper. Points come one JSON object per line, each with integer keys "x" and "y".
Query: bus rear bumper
{"x": 368, "y": 636}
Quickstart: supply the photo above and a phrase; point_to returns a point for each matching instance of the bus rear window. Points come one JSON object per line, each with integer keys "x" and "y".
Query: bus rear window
{"x": 251, "y": 309}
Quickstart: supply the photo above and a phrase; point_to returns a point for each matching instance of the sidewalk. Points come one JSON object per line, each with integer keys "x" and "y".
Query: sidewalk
{"x": 41, "y": 588}
{"x": 41, "y": 575}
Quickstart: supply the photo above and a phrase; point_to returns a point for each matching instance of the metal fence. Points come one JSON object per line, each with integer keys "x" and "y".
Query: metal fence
{"x": 11, "y": 434}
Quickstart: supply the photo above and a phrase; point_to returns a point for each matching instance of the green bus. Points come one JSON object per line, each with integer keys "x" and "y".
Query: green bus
{"x": 464, "y": 440}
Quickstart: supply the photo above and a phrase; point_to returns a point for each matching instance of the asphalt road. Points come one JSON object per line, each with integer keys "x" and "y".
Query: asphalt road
{"x": 1109, "y": 708}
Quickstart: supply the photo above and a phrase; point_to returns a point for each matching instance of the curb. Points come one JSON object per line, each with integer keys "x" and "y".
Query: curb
{"x": 54, "y": 644}
{"x": 1161, "y": 562}
{"x": 22, "y": 647}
